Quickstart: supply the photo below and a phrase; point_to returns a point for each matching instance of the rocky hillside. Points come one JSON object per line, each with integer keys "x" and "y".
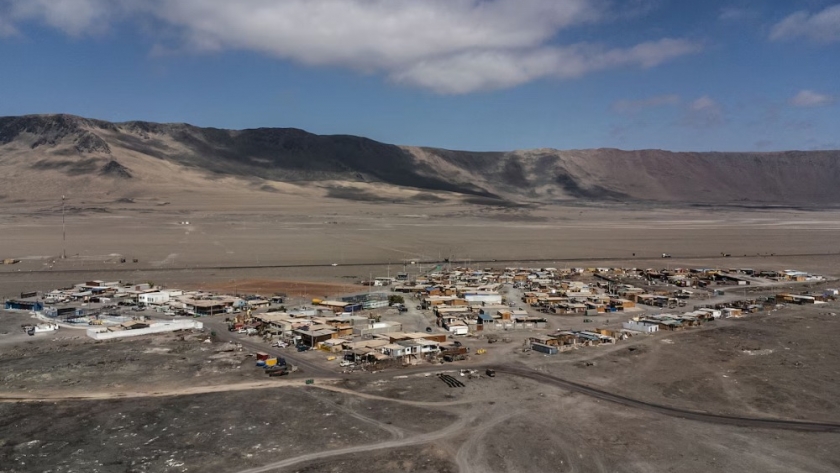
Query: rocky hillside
{"x": 101, "y": 154}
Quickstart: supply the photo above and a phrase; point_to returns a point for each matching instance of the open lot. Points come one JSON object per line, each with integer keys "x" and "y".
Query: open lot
{"x": 300, "y": 241}
{"x": 781, "y": 365}
{"x": 197, "y": 407}
{"x": 530, "y": 428}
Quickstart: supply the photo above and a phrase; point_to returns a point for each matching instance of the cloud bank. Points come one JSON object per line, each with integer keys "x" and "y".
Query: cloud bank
{"x": 447, "y": 46}
{"x": 823, "y": 27}
{"x": 809, "y": 98}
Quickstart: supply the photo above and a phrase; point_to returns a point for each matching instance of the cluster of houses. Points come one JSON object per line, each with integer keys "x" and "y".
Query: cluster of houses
{"x": 705, "y": 277}
{"x": 468, "y": 301}
{"x": 85, "y": 301}
{"x": 463, "y": 301}
{"x": 357, "y": 338}
{"x": 564, "y": 340}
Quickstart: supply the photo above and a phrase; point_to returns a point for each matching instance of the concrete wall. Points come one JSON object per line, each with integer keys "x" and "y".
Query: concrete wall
{"x": 163, "y": 327}
{"x": 378, "y": 328}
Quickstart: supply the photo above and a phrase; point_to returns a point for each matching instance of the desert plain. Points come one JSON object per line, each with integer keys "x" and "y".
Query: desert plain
{"x": 168, "y": 403}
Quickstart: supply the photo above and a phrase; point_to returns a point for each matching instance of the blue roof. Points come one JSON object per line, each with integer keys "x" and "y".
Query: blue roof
{"x": 485, "y": 317}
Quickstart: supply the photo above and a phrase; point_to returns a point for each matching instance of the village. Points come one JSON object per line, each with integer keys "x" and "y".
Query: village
{"x": 444, "y": 315}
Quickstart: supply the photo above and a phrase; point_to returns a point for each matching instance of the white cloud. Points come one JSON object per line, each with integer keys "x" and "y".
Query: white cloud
{"x": 809, "y": 98}
{"x": 449, "y": 46}
{"x": 735, "y": 14}
{"x": 703, "y": 103}
{"x": 633, "y": 106}
{"x": 489, "y": 69}
{"x": 821, "y": 27}
{"x": 7, "y": 28}
{"x": 74, "y": 17}
{"x": 703, "y": 112}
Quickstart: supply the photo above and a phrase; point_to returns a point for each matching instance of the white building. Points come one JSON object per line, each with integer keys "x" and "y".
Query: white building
{"x": 458, "y": 328}
{"x": 713, "y": 312}
{"x": 644, "y": 327}
{"x": 153, "y": 298}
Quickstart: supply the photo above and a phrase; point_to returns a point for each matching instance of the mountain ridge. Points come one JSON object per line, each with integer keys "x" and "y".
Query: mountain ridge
{"x": 90, "y": 149}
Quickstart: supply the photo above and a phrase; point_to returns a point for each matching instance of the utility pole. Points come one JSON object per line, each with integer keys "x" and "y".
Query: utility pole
{"x": 63, "y": 231}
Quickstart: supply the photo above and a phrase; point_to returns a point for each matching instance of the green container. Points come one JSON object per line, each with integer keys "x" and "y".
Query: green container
{"x": 310, "y": 381}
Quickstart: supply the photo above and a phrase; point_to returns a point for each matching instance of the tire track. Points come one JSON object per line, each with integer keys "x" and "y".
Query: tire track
{"x": 463, "y": 457}
{"x": 194, "y": 390}
{"x": 451, "y": 430}
{"x": 395, "y": 431}
{"x": 672, "y": 411}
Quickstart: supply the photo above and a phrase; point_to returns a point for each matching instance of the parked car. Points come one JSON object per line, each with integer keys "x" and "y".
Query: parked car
{"x": 344, "y": 363}
{"x": 302, "y": 348}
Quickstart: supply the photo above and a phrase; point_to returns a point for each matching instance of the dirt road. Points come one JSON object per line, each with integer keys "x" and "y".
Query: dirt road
{"x": 469, "y": 458}
{"x": 511, "y": 370}
{"x": 108, "y": 395}
{"x": 449, "y": 431}
{"x": 669, "y": 411}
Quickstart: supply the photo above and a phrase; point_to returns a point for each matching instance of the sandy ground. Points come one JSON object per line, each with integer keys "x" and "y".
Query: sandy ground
{"x": 783, "y": 365}
{"x": 532, "y": 428}
{"x": 267, "y": 287}
{"x": 780, "y": 365}
{"x": 228, "y": 240}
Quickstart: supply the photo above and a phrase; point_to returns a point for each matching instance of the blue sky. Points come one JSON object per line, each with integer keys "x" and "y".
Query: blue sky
{"x": 461, "y": 74}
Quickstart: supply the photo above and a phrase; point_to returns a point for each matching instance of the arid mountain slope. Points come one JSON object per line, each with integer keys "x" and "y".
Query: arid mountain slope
{"x": 132, "y": 157}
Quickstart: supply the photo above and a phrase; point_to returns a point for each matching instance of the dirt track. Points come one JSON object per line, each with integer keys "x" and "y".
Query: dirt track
{"x": 670, "y": 411}
{"x": 516, "y": 371}
{"x": 105, "y": 395}
{"x": 451, "y": 430}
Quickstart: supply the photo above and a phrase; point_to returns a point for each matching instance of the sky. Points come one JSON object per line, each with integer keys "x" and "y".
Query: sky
{"x": 734, "y": 75}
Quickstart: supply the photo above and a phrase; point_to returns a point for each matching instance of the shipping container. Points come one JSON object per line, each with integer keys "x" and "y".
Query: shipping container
{"x": 547, "y": 349}
{"x": 262, "y": 356}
